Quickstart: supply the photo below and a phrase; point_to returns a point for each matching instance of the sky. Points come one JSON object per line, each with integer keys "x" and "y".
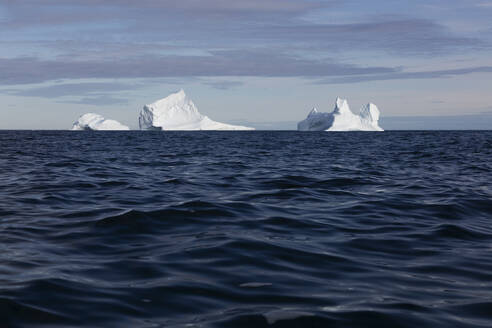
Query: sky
{"x": 265, "y": 63}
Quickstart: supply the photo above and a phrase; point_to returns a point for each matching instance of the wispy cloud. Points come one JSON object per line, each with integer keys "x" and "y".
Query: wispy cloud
{"x": 218, "y": 63}
{"x": 57, "y": 12}
{"x": 397, "y": 36}
{"x": 189, "y": 5}
{"x": 107, "y": 39}
{"x": 103, "y": 100}
{"x": 71, "y": 89}
{"x": 87, "y": 93}
{"x": 484, "y": 4}
{"x": 221, "y": 24}
{"x": 224, "y": 85}
{"x": 407, "y": 75}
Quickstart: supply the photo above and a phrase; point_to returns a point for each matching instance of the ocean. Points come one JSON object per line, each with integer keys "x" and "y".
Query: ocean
{"x": 245, "y": 229}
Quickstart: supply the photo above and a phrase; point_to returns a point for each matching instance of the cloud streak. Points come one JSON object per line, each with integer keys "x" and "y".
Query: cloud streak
{"x": 218, "y": 63}
{"x": 28, "y": 13}
{"x": 397, "y": 36}
{"x": 182, "y": 39}
{"x": 71, "y": 89}
{"x": 407, "y": 75}
{"x": 102, "y": 100}
{"x": 18, "y": 71}
{"x": 224, "y": 85}
{"x": 189, "y": 5}
{"x": 222, "y": 24}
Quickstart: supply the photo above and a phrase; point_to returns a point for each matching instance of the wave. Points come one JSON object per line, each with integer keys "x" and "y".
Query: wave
{"x": 265, "y": 229}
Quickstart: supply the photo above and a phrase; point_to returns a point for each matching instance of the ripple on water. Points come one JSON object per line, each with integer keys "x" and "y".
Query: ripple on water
{"x": 264, "y": 229}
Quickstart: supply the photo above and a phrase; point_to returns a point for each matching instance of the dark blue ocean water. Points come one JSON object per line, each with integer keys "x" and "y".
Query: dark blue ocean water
{"x": 245, "y": 229}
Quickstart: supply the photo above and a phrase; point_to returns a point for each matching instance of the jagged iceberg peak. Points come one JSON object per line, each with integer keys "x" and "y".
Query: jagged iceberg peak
{"x": 370, "y": 112}
{"x": 341, "y": 106}
{"x": 316, "y": 121}
{"x": 92, "y": 121}
{"x": 313, "y": 111}
{"x": 342, "y": 119}
{"x": 173, "y": 111}
{"x": 178, "y": 112}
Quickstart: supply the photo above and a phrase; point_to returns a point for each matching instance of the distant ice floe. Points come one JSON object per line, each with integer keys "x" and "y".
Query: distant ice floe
{"x": 342, "y": 119}
{"x": 92, "y": 121}
{"x": 178, "y": 112}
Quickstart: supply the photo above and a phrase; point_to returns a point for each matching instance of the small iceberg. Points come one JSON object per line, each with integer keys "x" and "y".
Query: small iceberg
{"x": 92, "y": 121}
{"x": 342, "y": 119}
{"x": 178, "y": 112}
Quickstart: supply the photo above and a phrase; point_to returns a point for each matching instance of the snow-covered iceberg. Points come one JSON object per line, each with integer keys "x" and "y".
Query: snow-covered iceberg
{"x": 342, "y": 119}
{"x": 178, "y": 112}
{"x": 92, "y": 121}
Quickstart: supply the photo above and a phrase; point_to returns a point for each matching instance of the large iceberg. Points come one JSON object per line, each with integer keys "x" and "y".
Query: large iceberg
{"x": 178, "y": 112}
{"x": 342, "y": 119}
{"x": 92, "y": 121}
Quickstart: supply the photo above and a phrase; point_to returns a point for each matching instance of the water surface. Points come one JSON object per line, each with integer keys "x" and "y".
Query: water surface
{"x": 245, "y": 229}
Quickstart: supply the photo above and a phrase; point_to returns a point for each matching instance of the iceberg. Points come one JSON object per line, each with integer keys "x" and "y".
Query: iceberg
{"x": 92, "y": 121}
{"x": 178, "y": 112}
{"x": 342, "y": 119}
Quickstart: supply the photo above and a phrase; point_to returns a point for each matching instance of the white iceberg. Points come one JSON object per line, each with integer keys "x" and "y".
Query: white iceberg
{"x": 178, "y": 112}
{"x": 92, "y": 121}
{"x": 342, "y": 119}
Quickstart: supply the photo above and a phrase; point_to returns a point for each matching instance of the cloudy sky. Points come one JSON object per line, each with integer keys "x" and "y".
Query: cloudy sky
{"x": 242, "y": 61}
